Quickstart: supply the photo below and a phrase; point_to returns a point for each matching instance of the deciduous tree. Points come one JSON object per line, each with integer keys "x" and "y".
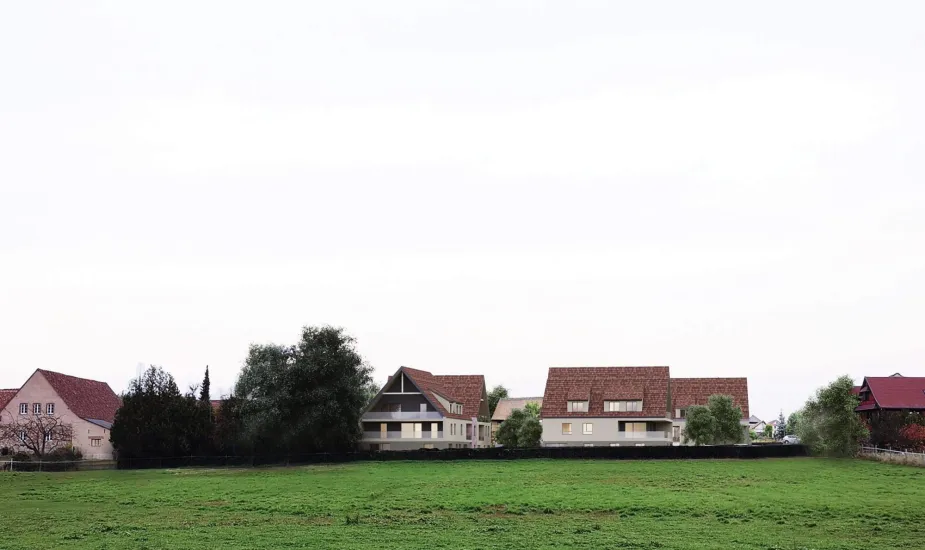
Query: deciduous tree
{"x": 828, "y": 424}
{"x": 521, "y": 429}
{"x": 39, "y": 434}
{"x": 307, "y": 397}
{"x": 728, "y": 427}
{"x": 700, "y": 426}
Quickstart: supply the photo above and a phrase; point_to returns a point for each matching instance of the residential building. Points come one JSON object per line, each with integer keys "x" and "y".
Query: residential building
{"x": 891, "y": 393}
{"x": 506, "y": 406}
{"x": 620, "y": 406}
{"x": 756, "y": 424}
{"x": 686, "y": 392}
{"x": 417, "y": 409}
{"x": 88, "y": 406}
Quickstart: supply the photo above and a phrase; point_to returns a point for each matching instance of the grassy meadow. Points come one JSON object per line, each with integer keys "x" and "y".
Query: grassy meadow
{"x": 763, "y": 504}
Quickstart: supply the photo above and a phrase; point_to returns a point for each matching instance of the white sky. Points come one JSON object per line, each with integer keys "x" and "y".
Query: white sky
{"x": 731, "y": 189}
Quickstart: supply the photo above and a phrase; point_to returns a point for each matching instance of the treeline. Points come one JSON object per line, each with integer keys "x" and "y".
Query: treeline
{"x": 296, "y": 399}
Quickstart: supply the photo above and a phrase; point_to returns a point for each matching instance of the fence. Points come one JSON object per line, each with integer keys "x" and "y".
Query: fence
{"x": 893, "y": 456}
{"x": 495, "y": 453}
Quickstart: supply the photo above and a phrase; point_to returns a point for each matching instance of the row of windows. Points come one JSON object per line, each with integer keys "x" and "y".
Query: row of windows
{"x": 587, "y": 428}
{"x": 456, "y": 408}
{"x": 36, "y": 408}
{"x": 609, "y": 406}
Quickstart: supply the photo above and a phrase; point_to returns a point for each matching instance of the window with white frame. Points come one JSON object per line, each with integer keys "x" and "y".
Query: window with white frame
{"x": 428, "y": 445}
{"x": 622, "y": 406}
{"x": 23, "y": 408}
{"x": 382, "y": 447}
{"x": 22, "y": 435}
{"x": 587, "y": 428}
{"x": 589, "y": 444}
{"x": 577, "y": 406}
{"x": 96, "y": 442}
{"x": 48, "y": 437}
{"x": 49, "y": 408}
{"x": 566, "y": 428}
{"x": 36, "y": 408}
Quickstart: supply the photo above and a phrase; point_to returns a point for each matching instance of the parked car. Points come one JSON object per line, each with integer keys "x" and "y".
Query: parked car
{"x": 791, "y": 440}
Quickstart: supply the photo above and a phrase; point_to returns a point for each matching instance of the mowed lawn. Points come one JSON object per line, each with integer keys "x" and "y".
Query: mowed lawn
{"x": 766, "y": 504}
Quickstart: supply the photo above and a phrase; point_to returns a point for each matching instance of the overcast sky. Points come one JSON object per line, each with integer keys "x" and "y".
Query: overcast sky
{"x": 729, "y": 189}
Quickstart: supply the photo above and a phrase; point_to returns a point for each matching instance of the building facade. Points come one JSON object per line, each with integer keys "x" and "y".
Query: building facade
{"x": 417, "y": 409}
{"x": 627, "y": 406}
{"x": 87, "y": 406}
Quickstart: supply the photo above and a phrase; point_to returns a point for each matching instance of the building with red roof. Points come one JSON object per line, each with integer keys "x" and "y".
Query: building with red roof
{"x": 891, "y": 393}
{"x": 416, "y": 409}
{"x": 88, "y": 406}
{"x": 589, "y": 406}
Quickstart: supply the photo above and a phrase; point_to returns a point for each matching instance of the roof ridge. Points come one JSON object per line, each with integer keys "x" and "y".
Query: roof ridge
{"x": 71, "y": 376}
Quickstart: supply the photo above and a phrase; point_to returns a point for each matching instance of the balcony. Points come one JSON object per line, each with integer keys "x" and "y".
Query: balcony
{"x": 409, "y": 415}
{"x": 397, "y": 435}
{"x": 663, "y": 435}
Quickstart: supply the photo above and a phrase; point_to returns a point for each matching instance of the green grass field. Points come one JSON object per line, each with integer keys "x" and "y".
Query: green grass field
{"x": 766, "y": 504}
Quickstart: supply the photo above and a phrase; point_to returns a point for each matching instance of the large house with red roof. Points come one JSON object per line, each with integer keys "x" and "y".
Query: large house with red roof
{"x": 88, "y": 406}
{"x": 614, "y": 406}
{"x": 416, "y": 409}
{"x": 891, "y": 393}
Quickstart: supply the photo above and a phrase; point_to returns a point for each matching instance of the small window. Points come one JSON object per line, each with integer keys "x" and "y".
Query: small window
{"x": 587, "y": 428}
{"x": 566, "y": 428}
{"x": 23, "y": 408}
{"x": 49, "y": 408}
{"x": 382, "y": 447}
{"x": 22, "y": 435}
{"x": 47, "y": 437}
{"x": 577, "y": 406}
{"x": 36, "y": 408}
{"x": 589, "y": 444}
{"x": 682, "y": 413}
{"x": 96, "y": 442}
{"x": 614, "y": 444}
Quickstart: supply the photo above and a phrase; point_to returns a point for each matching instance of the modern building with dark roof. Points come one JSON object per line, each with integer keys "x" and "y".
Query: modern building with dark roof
{"x": 88, "y": 406}
{"x": 589, "y": 406}
{"x": 416, "y": 409}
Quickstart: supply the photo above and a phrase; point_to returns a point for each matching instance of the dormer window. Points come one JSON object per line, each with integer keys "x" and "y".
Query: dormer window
{"x": 456, "y": 408}
{"x": 577, "y": 406}
{"x": 622, "y": 406}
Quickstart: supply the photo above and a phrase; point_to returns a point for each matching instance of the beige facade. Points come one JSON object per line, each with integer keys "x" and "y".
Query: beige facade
{"x": 603, "y": 432}
{"x": 90, "y": 438}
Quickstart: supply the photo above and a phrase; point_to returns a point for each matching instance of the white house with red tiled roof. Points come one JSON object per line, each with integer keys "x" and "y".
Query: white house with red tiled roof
{"x": 626, "y": 406}
{"x": 416, "y": 409}
{"x": 88, "y": 406}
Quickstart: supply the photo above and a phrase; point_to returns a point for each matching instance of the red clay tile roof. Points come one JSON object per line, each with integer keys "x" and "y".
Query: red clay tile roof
{"x": 697, "y": 391}
{"x": 896, "y": 392}
{"x": 598, "y": 382}
{"x": 468, "y": 389}
{"x": 6, "y": 396}
{"x": 430, "y": 385}
{"x": 216, "y": 404}
{"x": 86, "y": 398}
{"x": 507, "y": 405}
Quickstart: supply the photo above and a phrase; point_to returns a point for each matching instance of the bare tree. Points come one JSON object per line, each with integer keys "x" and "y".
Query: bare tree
{"x": 39, "y": 434}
